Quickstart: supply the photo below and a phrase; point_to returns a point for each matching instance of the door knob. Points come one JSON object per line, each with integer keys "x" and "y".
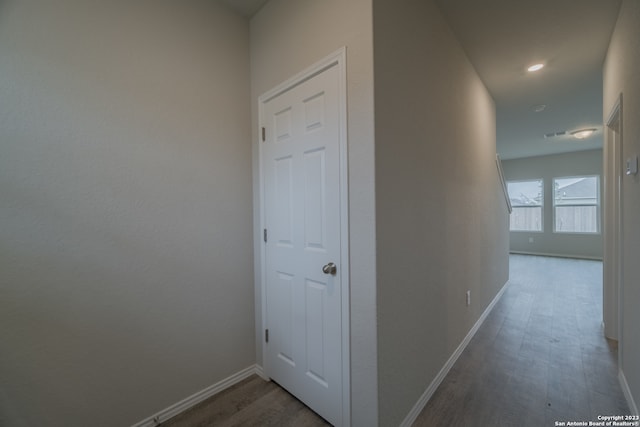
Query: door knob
{"x": 330, "y": 269}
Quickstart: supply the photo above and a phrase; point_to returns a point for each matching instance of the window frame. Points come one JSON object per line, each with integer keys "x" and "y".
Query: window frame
{"x": 515, "y": 206}
{"x": 597, "y": 205}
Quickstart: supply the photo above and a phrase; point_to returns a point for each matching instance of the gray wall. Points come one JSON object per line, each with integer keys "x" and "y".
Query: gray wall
{"x": 287, "y": 36}
{"x": 126, "y": 275}
{"x": 621, "y": 76}
{"x": 548, "y": 167}
{"x": 441, "y": 217}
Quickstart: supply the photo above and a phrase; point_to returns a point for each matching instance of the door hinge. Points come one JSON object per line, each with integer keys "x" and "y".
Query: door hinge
{"x": 266, "y": 335}
{"x": 264, "y": 235}
{"x": 264, "y": 134}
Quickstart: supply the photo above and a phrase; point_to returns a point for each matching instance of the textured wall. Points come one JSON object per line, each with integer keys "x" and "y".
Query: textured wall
{"x": 549, "y": 167}
{"x": 622, "y": 75}
{"x": 442, "y": 222}
{"x": 287, "y": 36}
{"x": 125, "y": 223}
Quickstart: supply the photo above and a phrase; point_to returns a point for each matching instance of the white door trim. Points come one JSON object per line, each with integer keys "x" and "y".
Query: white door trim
{"x": 336, "y": 59}
{"x": 613, "y": 242}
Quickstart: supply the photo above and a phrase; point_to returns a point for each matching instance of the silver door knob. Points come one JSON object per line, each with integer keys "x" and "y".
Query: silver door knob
{"x": 330, "y": 269}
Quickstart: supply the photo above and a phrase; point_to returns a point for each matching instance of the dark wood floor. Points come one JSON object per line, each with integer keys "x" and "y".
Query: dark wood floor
{"x": 539, "y": 357}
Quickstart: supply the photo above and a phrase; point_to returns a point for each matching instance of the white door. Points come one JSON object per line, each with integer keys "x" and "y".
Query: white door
{"x": 301, "y": 178}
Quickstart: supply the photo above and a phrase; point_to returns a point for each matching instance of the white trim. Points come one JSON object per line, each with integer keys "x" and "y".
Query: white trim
{"x": 613, "y": 247}
{"x": 198, "y": 397}
{"x": 627, "y": 393}
{"x": 336, "y": 59}
{"x": 571, "y": 256}
{"x": 344, "y": 234}
{"x": 422, "y": 402}
{"x": 260, "y": 373}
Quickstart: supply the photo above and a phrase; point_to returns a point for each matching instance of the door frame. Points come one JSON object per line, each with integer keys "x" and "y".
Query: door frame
{"x": 335, "y": 59}
{"x": 613, "y": 158}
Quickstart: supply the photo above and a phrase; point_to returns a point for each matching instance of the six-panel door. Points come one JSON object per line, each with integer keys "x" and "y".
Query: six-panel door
{"x": 301, "y": 169}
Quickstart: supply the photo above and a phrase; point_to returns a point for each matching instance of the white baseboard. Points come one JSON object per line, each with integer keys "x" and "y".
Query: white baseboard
{"x": 198, "y": 397}
{"x": 259, "y": 371}
{"x": 627, "y": 393}
{"x": 549, "y": 254}
{"x": 422, "y": 402}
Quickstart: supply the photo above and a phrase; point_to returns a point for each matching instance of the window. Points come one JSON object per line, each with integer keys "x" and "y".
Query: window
{"x": 526, "y": 198}
{"x": 576, "y": 203}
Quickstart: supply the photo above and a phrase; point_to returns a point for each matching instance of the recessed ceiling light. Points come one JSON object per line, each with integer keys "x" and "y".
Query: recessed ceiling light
{"x": 535, "y": 67}
{"x": 583, "y": 133}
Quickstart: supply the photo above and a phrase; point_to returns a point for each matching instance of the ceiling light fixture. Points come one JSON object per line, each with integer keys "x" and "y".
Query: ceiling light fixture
{"x": 535, "y": 67}
{"x": 539, "y": 108}
{"x": 583, "y": 133}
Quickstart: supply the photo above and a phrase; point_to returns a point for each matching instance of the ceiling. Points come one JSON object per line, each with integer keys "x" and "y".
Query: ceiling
{"x": 245, "y": 7}
{"x": 503, "y": 37}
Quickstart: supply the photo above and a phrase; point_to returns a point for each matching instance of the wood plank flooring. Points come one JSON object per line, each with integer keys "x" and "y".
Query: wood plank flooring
{"x": 539, "y": 357}
{"x": 250, "y": 403}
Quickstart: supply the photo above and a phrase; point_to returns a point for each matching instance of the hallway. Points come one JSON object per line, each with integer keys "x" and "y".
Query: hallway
{"x": 539, "y": 357}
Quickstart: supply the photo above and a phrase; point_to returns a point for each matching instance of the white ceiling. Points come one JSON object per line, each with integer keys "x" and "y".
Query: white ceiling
{"x": 503, "y": 37}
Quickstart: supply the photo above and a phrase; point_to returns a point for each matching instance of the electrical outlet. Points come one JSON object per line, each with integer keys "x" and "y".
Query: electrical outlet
{"x": 468, "y": 298}
{"x": 530, "y": 239}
